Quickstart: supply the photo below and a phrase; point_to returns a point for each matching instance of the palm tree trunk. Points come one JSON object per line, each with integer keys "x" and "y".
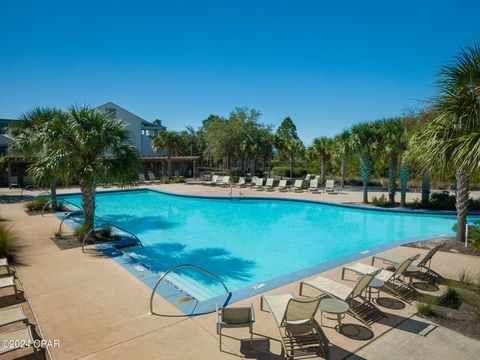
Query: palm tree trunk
{"x": 344, "y": 171}
{"x": 169, "y": 171}
{"x": 269, "y": 162}
{"x": 323, "y": 170}
{"x": 365, "y": 172}
{"x": 404, "y": 174}
{"x": 88, "y": 204}
{"x": 291, "y": 163}
{"x": 461, "y": 177}
{"x": 392, "y": 178}
{"x": 425, "y": 189}
{"x": 53, "y": 193}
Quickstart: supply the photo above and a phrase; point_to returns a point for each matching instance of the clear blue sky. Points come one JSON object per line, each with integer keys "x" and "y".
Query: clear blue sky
{"x": 325, "y": 65}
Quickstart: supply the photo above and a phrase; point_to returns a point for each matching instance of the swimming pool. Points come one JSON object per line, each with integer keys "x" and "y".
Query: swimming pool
{"x": 252, "y": 244}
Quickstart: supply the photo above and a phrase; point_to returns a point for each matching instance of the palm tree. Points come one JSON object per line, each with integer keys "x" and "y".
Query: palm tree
{"x": 27, "y": 137}
{"x": 89, "y": 147}
{"x": 342, "y": 146}
{"x": 452, "y": 139}
{"x": 391, "y": 138}
{"x": 363, "y": 141}
{"x": 322, "y": 147}
{"x": 404, "y": 175}
{"x": 169, "y": 141}
{"x": 425, "y": 189}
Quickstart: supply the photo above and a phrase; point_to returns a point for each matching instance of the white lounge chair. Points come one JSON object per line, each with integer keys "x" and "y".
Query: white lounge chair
{"x": 269, "y": 185}
{"x": 282, "y": 186}
{"x": 17, "y": 339}
{"x": 152, "y": 178}
{"x": 257, "y": 183}
{"x": 364, "y": 310}
{"x": 299, "y": 332}
{"x": 9, "y": 281}
{"x": 330, "y": 187}
{"x": 241, "y": 182}
{"x": 392, "y": 279}
{"x": 12, "y": 315}
{"x": 297, "y": 186}
{"x": 142, "y": 179}
{"x": 212, "y": 181}
{"x": 313, "y": 187}
{"x": 225, "y": 181}
{"x": 13, "y": 181}
{"x": 4, "y": 264}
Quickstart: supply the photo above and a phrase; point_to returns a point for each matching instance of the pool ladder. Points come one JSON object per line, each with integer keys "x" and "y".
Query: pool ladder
{"x": 185, "y": 266}
{"x": 240, "y": 194}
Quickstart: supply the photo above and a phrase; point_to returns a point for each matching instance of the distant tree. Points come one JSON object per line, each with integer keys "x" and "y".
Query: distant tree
{"x": 363, "y": 140}
{"x": 322, "y": 148}
{"x": 170, "y": 142}
{"x": 288, "y": 142}
{"x": 29, "y": 139}
{"x": 342, "y": 148}
{"x": 452, "y": 139}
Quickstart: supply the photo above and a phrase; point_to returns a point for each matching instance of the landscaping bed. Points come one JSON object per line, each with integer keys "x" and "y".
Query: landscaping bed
{"x": 451, "y": 246}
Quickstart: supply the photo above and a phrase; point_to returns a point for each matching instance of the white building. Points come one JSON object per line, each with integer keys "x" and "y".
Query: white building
{"x": 141, "y": 131}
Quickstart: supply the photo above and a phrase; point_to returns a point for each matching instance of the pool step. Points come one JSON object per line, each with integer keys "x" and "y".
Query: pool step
{"x": 192, "y": 287}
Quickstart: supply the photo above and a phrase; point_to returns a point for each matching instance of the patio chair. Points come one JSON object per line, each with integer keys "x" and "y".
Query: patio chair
{"x": 330, "y": 187}
{"x": 257, "y": 183}
{"x": 17, "y": 339}
{"x": 392, "y": 279}
{"x": 12, "y": 315}
{"x": 9, "y": 281}
{"x": 235, "y": 317}
{"x": 297, "y": 186}
{"x": 300, "y": 333}
{"x": 269, "y": 185}
{"x": 225, "y": 181}
{"x": 421, "y": 269}
{"x": 212, "y": 181}
{"x": 241, "y": 182}
{"x": 313, "y": 187}
{"x": 364, "y": 310}
{"x": 152, "y": 178}
{"x": 282, "y": 186}
{"x": 142, "y": 179}
{"x": 4, "y": 264}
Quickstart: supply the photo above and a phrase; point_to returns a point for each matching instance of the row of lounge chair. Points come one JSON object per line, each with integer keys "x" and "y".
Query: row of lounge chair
{"x": 260, "y": 184}
{"x": 152, "y": 179}
{"x": 301, "y": 334}
{"x": 20, "y": 337}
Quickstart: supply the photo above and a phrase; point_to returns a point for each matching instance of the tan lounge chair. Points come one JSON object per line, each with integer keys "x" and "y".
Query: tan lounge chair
{"x": 212, "y": 181}
{"x": 225, "y": 181}
{"x": 257, "y": 183}
{"x": 330, "y": 187}
{"x": 241, "y": 182}
{"x": 282, "y": 186}
{"x": 313, "y": 187}
{"x": 235, "y": 317}
{"x": 142, "y": 179}
{"x": 299, "y": 332}
{"x": 269, "y": 185}
{"x": 364, "y": 310}
{"x": 392, "y": 279}
{"x": 152, "y": 178}
{"x": 9, "y": 281}
{"x": 421, "y": 269}
{"x": 4, "y": 264}
{"x": 17, "y": 339}
{"x": 12, "y": 315}
{"x": 297, "y": 186}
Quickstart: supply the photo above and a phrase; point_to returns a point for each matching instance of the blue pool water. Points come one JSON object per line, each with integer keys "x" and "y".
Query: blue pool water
{"x": 250, "y": 242}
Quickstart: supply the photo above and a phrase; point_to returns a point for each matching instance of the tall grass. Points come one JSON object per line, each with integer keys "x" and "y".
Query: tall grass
{"x": 7, "y": 238}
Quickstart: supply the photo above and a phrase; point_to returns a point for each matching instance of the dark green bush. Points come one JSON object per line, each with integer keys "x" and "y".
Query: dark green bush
{"x": 285, "y": 171}
{"x": 37, "y": 204}
{"x": 442, "y": 201}
{"x": 7, "y": 237}
{"x": 473, "y": 234}
{"x": 382, "y": 201}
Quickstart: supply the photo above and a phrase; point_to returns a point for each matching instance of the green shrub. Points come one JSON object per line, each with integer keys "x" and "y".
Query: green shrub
{"x": 473, "y": 234}
{"x": 285, "y": 171}
{"x": 105, "y": 232}
{"x": 382, "y": 201}
{"x": 442, "y": 201}
{"x": 80, "y": 231}
{"x": 426, "y": 308}
{"x": 38, "y": 203}
{"x": 178, "y": 179}
{"x": 7, "y": 238}
{"x": 451, "y": 297}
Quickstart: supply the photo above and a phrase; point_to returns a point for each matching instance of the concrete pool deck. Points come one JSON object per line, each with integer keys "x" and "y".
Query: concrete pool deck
{"x": 99, "y": 311}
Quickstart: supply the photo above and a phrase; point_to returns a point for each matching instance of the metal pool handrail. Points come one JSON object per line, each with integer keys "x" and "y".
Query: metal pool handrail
{"x": 183, "y": 266}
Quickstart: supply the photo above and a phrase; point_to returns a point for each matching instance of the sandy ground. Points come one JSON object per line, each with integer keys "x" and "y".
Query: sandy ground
{"x": 97, "y": 310}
